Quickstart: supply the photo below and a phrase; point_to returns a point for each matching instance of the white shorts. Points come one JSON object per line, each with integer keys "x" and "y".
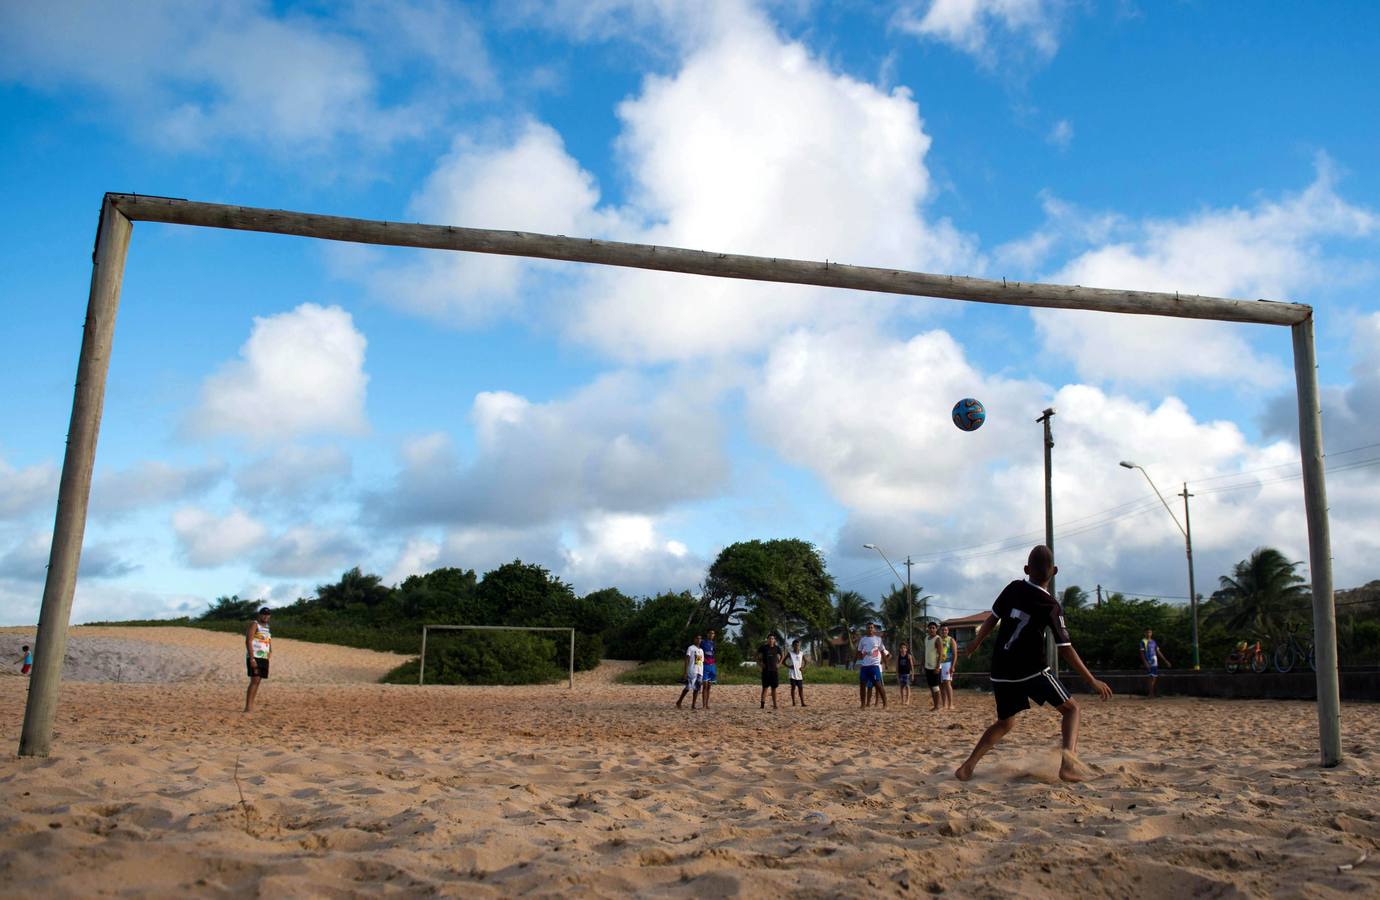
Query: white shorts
{"x": 946, "y": 671}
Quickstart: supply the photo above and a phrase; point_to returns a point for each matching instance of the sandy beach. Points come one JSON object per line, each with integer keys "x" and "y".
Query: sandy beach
{"x": 357, "y": 789}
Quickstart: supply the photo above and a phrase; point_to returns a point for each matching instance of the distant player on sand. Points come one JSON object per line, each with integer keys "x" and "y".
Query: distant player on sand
{"x": 948, "y": 660}
{"x": 258, "y": 647}
{"x": 26, "y": 662}
{"x": 1020, "y": 671}
{"x": 871, "y": 650}
{"x": 795, "y": 670}
{"x": 1150, "y": 656}
{"x": 694, "y": 673}
{"x": 711, "y": 668}
{"x": 769, "y": 655}
{"x": 932, "y": 663}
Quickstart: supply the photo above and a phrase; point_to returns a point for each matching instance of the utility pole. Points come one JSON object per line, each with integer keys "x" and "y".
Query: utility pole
{"x": 910, "y": 609}
{"x": 1099, "y": 596}
{"x": 1192, "y": 591}
{"x": 1051, "y": 651}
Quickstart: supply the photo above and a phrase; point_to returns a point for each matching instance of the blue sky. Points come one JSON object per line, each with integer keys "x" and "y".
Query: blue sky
{"x": 279, "y": 410}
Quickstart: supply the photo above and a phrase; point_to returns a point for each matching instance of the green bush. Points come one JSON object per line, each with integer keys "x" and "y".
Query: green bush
{"x": 494, "y": 657}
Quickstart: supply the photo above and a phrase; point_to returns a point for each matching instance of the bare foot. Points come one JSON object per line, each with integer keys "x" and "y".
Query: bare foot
{"x": 1071, "y": 768}
{"x": 965, "y": 771}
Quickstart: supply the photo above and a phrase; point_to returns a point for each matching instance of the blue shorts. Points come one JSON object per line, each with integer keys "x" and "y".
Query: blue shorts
{"x": 1154, "y": 671}
{"x": 903, "y": 680}
{"x": 870, "y": 675}
{"x": 711, "y": 674}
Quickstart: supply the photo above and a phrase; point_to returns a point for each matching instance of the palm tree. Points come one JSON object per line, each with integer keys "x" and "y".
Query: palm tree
{"x": 1073, "y": 598}
{"x": 851, "y": 613}
{"x": 896, "y": 618}
{"x": 1261, "y": 595}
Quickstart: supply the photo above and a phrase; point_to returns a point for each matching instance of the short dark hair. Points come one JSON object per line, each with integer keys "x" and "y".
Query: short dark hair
{"x": 25, "y": 647}
{"x": 265, "y": 611}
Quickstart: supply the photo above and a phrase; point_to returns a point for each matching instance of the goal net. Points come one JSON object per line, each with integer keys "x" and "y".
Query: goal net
{"x": 427, "y": 629}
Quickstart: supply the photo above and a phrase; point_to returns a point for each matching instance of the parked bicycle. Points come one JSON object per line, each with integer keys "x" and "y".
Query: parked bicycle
{"x": 1246, "y": 656}
{"x": 1292, "y": 652}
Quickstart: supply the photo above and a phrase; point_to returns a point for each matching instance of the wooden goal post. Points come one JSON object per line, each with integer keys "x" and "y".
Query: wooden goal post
{"x": 118, "y": 211}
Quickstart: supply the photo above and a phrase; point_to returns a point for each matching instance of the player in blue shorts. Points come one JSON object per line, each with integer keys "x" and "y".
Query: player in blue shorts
{"x": 1150, "y": 656}
{"x": 711, "y": 671}
{"x": 1020, "y": 670}
{"x": 871, "y": 652}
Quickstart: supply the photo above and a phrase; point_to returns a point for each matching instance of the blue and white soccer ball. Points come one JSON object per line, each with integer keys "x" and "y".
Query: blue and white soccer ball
{"x": 969, "y": 414}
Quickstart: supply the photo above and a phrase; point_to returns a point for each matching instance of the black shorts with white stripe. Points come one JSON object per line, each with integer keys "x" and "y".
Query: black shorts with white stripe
{"x": 1015, "y": 696}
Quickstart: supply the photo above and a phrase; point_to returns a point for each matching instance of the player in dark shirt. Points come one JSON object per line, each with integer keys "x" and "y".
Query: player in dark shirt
{"x": 769, "y": 654}
{"x": 1020, "y": 670}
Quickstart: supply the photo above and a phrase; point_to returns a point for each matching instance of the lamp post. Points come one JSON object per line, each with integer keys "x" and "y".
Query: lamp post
{"x": 1188, "y": 548}
{"x": 910, "y": 598}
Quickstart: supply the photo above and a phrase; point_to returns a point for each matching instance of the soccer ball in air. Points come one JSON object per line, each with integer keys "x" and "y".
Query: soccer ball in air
{"x": 969, "y": 414}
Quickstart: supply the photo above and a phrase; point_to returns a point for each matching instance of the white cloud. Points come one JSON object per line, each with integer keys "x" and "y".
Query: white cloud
{"x": 869, "y": 415}
{"x": 1270, "y": 250}
{"x": 631, "y": 553}
{"x": 293, "y": 474}
{"x": 419, "y": 556}
{"x": 306, "y": 551}
{"x": 196, "y": 75}
{"x": 207, "y": 540}
{"x": 977, "y": 27}
{"x": 810, "y": 163}
{"x": 28, "y": 560}
{"x": 299, "y": 373}
{"x": 621, "y": 444}
{"x": 523, "y": 180}
{"x": 1061, "y": 134}
{"x": 1351, "y": 412}
{"x": 149, "y": 484}
{"x": 25, "y": 490}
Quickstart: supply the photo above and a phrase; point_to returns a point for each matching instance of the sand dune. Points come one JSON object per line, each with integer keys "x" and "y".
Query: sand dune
{"x": 355, "y": 790}
{"x": 96, "y": 653}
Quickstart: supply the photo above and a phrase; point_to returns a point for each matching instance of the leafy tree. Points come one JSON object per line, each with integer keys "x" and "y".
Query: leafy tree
{"x": 1073, "y": 599}
{"x": 447, "y": 596}
{"x": 519, "y": 593}
{"x": 353, "y": 590}
{"x": 1261, "y": 595}
{"x": 783, "y": 581}
{"x": 657, "y": 629}
{"x": 231, "y": 609}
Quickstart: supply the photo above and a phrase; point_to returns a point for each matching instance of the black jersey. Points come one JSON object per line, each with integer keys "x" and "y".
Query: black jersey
{"x": 1025, "y": 610}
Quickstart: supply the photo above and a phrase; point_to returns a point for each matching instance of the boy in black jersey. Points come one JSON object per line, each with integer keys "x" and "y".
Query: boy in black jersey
{"x": 1020, "y": 671}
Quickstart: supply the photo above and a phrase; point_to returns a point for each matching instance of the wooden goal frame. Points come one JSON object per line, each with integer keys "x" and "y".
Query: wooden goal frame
{"x": 119, "y": 212}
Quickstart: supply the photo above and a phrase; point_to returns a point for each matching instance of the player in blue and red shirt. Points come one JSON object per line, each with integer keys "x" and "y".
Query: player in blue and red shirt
{"x": 1020, "y": 669}
{"x": 711, "y": 670}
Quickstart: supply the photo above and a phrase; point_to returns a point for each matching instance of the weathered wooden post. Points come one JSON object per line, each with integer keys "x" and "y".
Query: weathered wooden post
{"x": 50, "y": 646}
{"x": 1319, "y": 544}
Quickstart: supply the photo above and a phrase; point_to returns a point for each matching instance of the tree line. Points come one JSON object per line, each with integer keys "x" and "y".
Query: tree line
{"x": 752, "y": 589}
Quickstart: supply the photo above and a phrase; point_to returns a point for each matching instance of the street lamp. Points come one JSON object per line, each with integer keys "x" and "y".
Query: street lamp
{"x": 1188, "y": 546}
{"x": 910, "y": 599}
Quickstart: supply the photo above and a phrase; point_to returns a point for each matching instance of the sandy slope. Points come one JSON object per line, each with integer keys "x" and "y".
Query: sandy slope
{"x": 194, "y": 654}
{"x": 355, "y": 790}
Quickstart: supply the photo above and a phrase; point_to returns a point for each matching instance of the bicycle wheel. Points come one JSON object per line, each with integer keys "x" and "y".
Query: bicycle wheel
{"x": 1259, "y": 663}
{"x": 1284, "y": 658}
{"x": 1233, "y": 664}
{"x": 1312, "y": 658}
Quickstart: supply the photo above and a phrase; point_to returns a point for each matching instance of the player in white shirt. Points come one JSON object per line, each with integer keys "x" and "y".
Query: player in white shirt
{"x": 795, "y": 669}
{"x": 871, "y": 653}
{"x": 694, "y": 673}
